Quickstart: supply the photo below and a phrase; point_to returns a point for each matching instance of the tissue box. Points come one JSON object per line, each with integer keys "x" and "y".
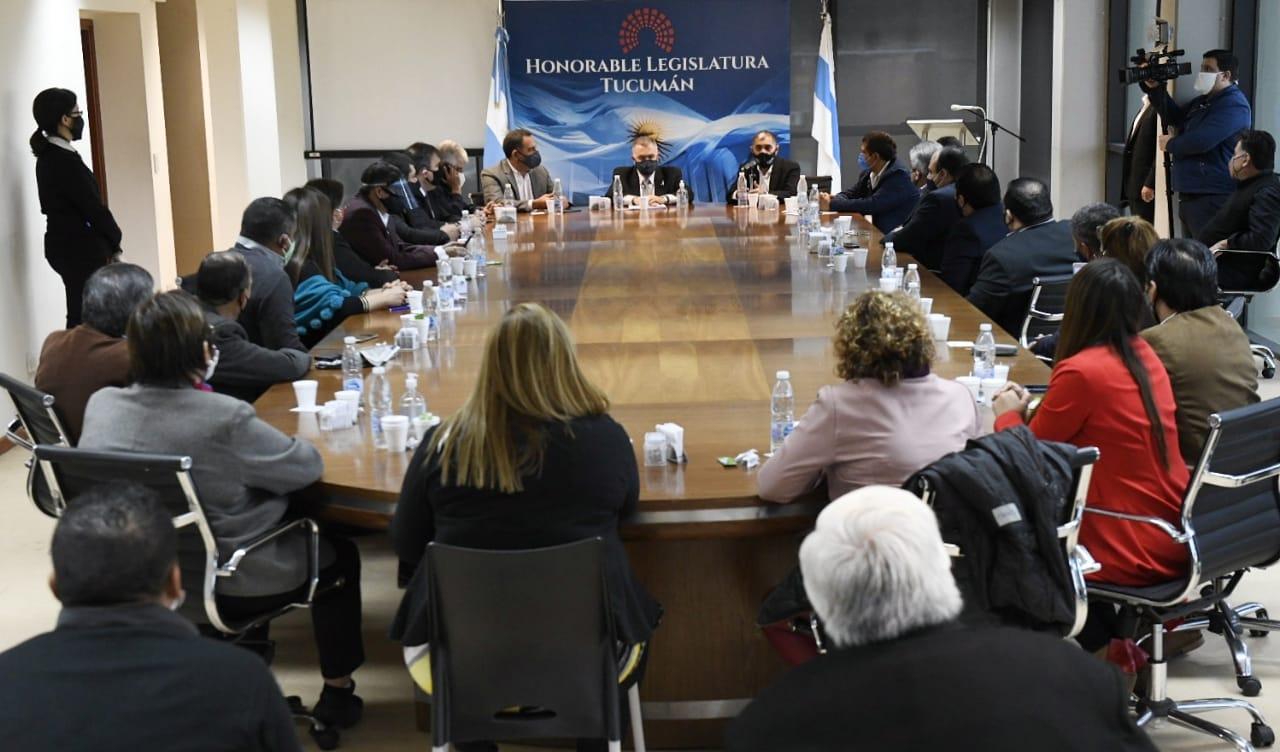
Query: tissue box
{"x": 504, "y": 214}
{"x": 599, "y": 203}
{"x": 675, "y": 441}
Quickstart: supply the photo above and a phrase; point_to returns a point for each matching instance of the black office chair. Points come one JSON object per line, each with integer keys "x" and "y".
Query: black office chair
{"x": 1044, "y": 312}
{"x": 822, "y": 181}
{"x": 1230, "y": 522}
{"x": 1237, "y": 303}
{"x": 70, "y": 471}
{"x": 39, "y": 420}
{"x": 523, "y": 646}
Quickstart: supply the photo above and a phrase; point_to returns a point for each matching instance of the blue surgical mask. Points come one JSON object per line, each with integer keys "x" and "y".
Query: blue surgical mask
{"x": 862, "y": 162}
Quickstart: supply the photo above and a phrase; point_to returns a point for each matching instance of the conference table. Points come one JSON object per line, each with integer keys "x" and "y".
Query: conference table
{"x": 680, "y": 316}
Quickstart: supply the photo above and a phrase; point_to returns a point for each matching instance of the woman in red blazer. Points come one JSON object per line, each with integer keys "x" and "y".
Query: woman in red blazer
{"x": 1109, "y": 390}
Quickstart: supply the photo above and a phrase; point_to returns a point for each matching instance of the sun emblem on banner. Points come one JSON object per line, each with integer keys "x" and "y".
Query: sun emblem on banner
{"x": 664, "y": 34}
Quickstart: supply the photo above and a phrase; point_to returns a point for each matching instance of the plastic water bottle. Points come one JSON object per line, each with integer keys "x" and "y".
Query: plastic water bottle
{"x": 889, "y": 260}
{"x": 557, "y": 201}
{"x": 616, "y": 192}
{"x": 431, "y": 310}
{"x": 352, "y": 373}
{"x": 478, "y": 252}
{"x": 814, "y": 208}
{"x": 984, "y": 353}
{"x": 743, "y": 190}
{"x": 682, "y": 197}
{"x": 911, "y": 281}
{"x": 508, "y": 197}
{"x": 414, "y": 407}
{"x": 379, "y": 405}
{"x": 783, "y": 409}
{"x": 802, "y": 207}
{"x": 802, "y": 192}
{"x": 464, "y": 225}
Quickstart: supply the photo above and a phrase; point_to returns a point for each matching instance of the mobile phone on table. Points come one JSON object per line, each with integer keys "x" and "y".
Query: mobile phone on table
{"x": 1036, "y": 388}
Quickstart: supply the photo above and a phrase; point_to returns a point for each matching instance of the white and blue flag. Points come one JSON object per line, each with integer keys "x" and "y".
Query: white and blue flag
{"x": 497, "y": 117}
{"x": 826, "y": 124}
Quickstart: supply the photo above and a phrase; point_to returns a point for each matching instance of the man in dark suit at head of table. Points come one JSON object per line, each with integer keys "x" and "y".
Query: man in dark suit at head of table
{"x": 660, "y": 181}
{"x": 766, "y": 167}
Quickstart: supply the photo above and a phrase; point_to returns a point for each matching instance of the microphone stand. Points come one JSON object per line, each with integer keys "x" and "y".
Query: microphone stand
{"x": 992, "y": 128}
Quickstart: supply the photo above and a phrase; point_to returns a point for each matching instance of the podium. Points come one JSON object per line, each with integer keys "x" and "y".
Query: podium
{"x": 932, "y": 130}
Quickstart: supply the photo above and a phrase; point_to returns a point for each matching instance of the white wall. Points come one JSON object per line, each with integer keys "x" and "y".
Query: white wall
{"x": 1080, "y": 70}
{"x": 1004, "y": 77}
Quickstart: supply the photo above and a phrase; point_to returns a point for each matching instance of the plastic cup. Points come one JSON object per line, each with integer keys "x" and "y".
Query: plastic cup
{"x": 396, "y": 429}
{"x": 859, "y": 258}
{"x": 889, "y": 284}
{"x": 458, "y": 266}
{"x": 989, "y": 387}
{"x": 840, "y": 262}
{"x": 655, "y": 449}
{"x": 926, "y": 306}
{"x": 350, "y": 398}
{"x": 1002, "y": 373}
{"x": 305, "y": 392}
{"x": 415, "y": 301}
{"x": 939, "y": 326}
{"x": 790, "y": 204}
{"x": 842, "y": 224}
{"x": 973, "y": 384}
{"x": 469, "y": 268}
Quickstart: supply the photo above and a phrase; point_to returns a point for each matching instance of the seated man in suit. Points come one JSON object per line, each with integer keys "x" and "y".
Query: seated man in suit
{"x": 660, "y": 181}
{"x": 926, "y": 230}
{"x": 366, "y": 222}
{"x": 76, "y": 362}
{"x": 980, "y": 227}
{"x": 884, "y": 191}
{"x": 266, "y": 234}
{"x": 418, "y": 225}
{"x": 767, "y": 168}
{"x": 1250, "y": 220}
{"x": 1086, "y": 228}
{"x": 345, "y": 258}
{"x": 1036, "y": 246}
{"x": 121, "y": 670}
{"x": 920, "y": 157}
{"x": 903, "y": 674}
{"x": 522, "y": 171}
{"x": 244, "y": 370}
{"x": 451, "y": 181}
{"x": 1204, "y": 350}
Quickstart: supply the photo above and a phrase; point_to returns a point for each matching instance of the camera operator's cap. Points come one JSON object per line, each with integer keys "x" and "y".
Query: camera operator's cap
{"x": 380, "y": 173}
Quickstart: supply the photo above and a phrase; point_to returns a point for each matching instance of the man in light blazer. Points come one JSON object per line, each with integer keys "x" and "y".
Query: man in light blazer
{"x": 522, "y": 170}
{"x": 664, "y": 180}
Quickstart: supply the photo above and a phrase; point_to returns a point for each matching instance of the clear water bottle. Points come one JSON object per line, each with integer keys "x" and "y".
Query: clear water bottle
{"x": 616, "y": 193}
{"x": 508, "y": 196}
{"x": 802, "y": 192}
{"x": 414, "y": 407}
{"x": 460, "y": 290}
{"x": 445, "y": 296}
{"x": 379, "y": 405}
{"x": 743, "y": 190}
{"x": 911, "y": 282}
{"x": 479, "y": 251}
{"x": 682, "y": 197}
{"x": 557, "y": 198}
{"x": 814, "y": 207}
{"x": 464, "y": 225}
{"x": 782, "y": 406}
{"x": 889, "y": 260}
{"x": 352, "y": 371}
{"x": 431, "y": 310}
{"x": 984, "y": 353}
{"x": 802, "y": 209}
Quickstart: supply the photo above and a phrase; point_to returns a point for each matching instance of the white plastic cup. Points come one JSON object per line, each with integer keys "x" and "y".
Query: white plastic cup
{"x": 305, "y": 392}
{"x": 939, "y": 326}
{"x": 889, "y": 284}
{"x": 469, "y": 268}
{"x": 350, "y": 398}
{"x": 415, "y": 301}
{"x": 842, "y": 224}
{"x": 840, "y": 262}
{"x": 396, "y": 429}
{"x": 333, "y": 416}
{"x": 989, "y": 387}
{"x": 458, "y": 266}
{"x": 973, "y": 384}
{"x": 926, "y": 306}
{"x": 859, "y": 258}
{"x": 655, "y": 449}
{"x": 790, "y": 204}
{"x": 1001, "y": 373}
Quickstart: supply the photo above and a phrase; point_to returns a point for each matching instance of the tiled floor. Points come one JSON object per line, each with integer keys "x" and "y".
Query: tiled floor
{"x": 27, "y": 608}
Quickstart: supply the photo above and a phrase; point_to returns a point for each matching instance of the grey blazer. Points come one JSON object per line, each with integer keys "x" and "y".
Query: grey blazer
{"x": 494, "y": 179}
{"x": 242, "y": 469}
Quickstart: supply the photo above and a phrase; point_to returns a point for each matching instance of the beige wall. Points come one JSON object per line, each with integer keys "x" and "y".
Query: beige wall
{"x": 1080, "y": 70}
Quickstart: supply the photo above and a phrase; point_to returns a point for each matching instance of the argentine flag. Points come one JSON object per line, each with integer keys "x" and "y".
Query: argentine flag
{"x": 497, "y": 117}
{"x": 826, "y": 126}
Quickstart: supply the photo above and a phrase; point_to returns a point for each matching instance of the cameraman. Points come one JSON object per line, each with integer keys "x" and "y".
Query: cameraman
{"x": 1207, "y": 129}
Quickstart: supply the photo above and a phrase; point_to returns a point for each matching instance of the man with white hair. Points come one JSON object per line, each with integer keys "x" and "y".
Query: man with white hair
{"x": 920, "y": 156}
{"x": 902, "y": 673}
{"x": 451, "y": 178}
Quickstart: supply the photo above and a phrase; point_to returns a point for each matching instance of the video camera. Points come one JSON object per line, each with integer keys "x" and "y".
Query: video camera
{"x": 1157, "y": 65}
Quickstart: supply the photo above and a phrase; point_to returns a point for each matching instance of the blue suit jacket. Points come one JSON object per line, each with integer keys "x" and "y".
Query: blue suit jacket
{"x": 1207, "y": 130}
{"x": 966, "y": 244}
{"x": 926, "y": 230}
{"x": 889, "y": 203}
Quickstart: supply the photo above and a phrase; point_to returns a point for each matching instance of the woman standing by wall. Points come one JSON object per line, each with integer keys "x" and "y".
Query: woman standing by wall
{"x": 80, "y": 233}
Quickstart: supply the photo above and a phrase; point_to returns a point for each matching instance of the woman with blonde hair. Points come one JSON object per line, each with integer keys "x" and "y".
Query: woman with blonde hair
{"x": 1129, "y": 240}
{"x": 887, "y": 419}
{"x": 531, "y": 459}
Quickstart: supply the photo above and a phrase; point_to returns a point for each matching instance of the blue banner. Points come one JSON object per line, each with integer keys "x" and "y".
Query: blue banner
{"x": 700, "y": 77}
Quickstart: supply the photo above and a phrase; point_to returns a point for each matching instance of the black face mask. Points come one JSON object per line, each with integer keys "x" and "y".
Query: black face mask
{"x": 647, "y": 167}
{"x": 394, "y": 203}
{"x": 764, "y": 159}
{"x": 531, "y": 160}
{"x": 77, "y": 128}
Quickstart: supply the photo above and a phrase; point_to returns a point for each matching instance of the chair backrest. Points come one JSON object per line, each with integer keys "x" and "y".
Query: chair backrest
{"x": 69, "y": 472}
{"x": 36, "y": 411}
{"x": 1265, "y": 284}
{"x": 1047, "y": 304}
{"x": 822, "y": 181}
{"x": 1232, "y": 504}
{"x": 522, "y": 629}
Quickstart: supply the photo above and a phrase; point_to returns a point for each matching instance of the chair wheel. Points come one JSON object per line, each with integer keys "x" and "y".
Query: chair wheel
{"x": 327, "y": 738}
{"x": 1249, "y": 685}
{"x": 1268, "y": 372}
{"x": 1261, "y": 735}
{"x": 1262, "y": 614}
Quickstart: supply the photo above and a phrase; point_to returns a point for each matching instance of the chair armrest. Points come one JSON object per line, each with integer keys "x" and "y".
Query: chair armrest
{"x": 1088, "y": 564}
{"x": 1169, "y": 529}
{"x": 11, "y": 433}
{"x": 313, "y": 547}
{"x": 953, "y": 550}
{"x": 1271, "y": 252}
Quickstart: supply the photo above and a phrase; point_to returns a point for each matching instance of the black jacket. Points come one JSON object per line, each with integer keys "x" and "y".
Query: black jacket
{"x": 79, "y": 228}
{"x": 666, "y": 181}
{"x": 1002, "y": 289}
{"x": 138, "y": 677}
{"x": 994, "y": 689}
{"x": 968, "y": 242}
{"x": 357, "y": 269}
{"x": 1001, "y": 501}
{"x": 588, "y": 485}
{"x": 889, "y": 201}
{"x": 1250, "y": 220}
{"x": 926, "y": 230}
{"x": 442, "y": 206}
{"x": 1139, "y": 167}
{"x": 268, "y": 316}
{"x": 783, "y": 179}
{"x": 246, "y": 370}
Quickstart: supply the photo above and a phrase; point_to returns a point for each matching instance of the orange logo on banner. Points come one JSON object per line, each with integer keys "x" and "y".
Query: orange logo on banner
{"x": 664, "y": 34}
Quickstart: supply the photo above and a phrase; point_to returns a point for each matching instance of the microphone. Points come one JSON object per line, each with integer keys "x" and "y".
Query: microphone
{"x": 968, "y": 108}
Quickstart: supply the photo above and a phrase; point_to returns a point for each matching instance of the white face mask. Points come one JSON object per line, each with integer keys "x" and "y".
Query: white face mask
{"x": 211, "y": 366}
{"x": 462, "y": 180}
{"x": 1205, "y": 81}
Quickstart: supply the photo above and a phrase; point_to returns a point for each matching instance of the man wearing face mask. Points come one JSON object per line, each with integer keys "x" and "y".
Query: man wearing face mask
{"x": 980, "y": 227}
{"x": 266, "y": 240}
{"x": 884, "y": 191}
{"x": 1206, "y": 130}
{"x": 418, "y": 225}
{"x": 1250, "y": 219}
{"x": 367, "y": 216}
{"x": 522, "y": 171}
{"x": 924, "y": 232}
{"x": 131, "y": 672}
{"x": 80, "y": 232}
{"x": 245, "y": 370}
{"x": 767, "y": 171}
{"x": 659, "y": 181}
